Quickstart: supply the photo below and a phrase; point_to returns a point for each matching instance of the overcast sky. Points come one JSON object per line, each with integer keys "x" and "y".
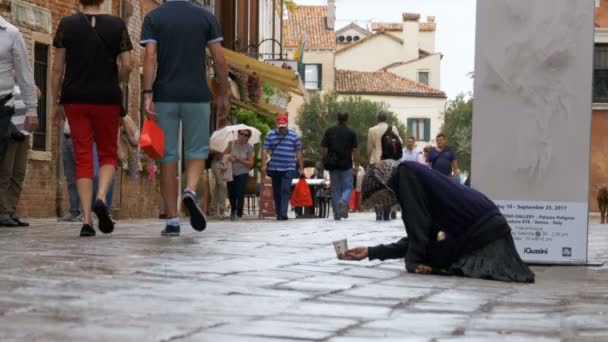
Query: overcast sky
{"x": 455, "y": 30}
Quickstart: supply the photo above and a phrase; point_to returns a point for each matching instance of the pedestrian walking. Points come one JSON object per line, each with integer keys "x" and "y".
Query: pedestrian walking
{"x": 451, "y": 229}
{"x": 241, "y": 157}
{"x": 340, "y": 155}
{"x": 92, "y": 57}
{"x": 176, "y": 35}
{"x": 443, "y": 158}
{"x": 69, "y": 171}
{"x": 383, "y": 142}
{"x": 282, "y": 149}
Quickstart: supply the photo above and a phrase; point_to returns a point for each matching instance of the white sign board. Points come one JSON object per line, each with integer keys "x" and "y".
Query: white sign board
{"x": 532, "y": 121}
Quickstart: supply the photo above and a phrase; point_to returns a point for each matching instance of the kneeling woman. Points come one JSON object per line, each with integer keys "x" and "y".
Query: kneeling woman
{"x": 451, "y": 229}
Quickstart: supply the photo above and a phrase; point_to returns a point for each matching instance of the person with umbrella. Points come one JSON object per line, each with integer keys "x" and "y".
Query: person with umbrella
{"x": 241, "y": 156}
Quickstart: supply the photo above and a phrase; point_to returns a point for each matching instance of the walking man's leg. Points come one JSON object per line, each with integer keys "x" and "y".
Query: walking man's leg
{"x": 335, "y": 193}
{"x": 195, "y": 129}
{"x": 168, "y": 120}
{"x": 346, "y": 190}
{"x": 16, "y": 186}
{"x": 286, "y": 192}
{"x": 277, "y": 183}
{"x": 6, "y": 170}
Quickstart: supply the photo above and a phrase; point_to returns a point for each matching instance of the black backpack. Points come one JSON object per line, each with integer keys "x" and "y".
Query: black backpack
{"x": 391, "y": 145}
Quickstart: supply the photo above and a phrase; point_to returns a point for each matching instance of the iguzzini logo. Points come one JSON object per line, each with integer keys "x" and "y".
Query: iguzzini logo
{"x": 529, "y": 250}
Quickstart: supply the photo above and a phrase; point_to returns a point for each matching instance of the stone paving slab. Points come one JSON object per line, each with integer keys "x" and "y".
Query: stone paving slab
{"x": 262, "y": 280}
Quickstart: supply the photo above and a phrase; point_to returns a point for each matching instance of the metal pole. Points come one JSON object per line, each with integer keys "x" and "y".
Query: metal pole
{"x": 274, "y": 7}
{"x": 281, "y": 44}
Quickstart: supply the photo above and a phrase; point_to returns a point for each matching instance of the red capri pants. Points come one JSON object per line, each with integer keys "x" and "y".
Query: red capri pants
{"x": 88, "y": 122}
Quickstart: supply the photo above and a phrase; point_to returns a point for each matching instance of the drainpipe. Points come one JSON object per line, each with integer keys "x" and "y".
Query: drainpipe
{"x": 274, "y": 6}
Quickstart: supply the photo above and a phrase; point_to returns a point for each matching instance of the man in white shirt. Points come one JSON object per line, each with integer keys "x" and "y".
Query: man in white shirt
{"x": 20, "y": 104}
{"x": 410, "y": 152}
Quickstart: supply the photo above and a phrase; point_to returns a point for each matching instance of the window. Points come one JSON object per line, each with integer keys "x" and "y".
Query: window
{"x": 209, "y": 4}
{"x": 600, "y": 73}
{"x": 423, "y": 77}
{"x": 420, "y": 129}
{"x": 41, "y": 66}
{"x": 312, "y": 76}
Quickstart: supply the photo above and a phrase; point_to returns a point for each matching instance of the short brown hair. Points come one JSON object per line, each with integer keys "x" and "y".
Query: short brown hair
{"x": 90, "y": 2}
{"x": 440, "y": 135}
{"x": 410, "y": 137}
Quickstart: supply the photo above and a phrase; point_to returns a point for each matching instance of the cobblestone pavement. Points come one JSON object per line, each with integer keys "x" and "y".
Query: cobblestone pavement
{"x": 259, "y": 280}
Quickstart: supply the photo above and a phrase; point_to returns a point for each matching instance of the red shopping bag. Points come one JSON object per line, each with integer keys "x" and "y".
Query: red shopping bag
{"x": 301, "y": 196}
{"x": 152, "y": 139}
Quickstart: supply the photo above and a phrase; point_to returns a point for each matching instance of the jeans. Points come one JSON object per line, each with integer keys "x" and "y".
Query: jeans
{"x": 69, "y": 169}
{"x": 236, "y": 190}
{"x": 341, "y": 188}
{"x": 383, "y": 213}
{"x": 281, "y": 190}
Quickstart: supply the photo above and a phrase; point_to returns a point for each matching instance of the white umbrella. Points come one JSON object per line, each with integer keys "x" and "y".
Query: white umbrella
{"x": 220, "y": 138}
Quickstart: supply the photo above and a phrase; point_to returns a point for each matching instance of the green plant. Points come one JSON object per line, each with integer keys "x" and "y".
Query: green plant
{"x": 457, "y": 126}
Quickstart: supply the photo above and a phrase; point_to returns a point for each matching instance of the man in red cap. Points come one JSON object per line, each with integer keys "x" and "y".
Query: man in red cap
{"x": 282, "y": 148}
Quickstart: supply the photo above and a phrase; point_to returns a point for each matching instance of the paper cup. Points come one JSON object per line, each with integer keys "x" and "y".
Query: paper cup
{"x": 341, "y": 246}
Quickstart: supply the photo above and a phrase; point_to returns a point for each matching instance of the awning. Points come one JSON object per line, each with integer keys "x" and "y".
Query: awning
{"x": 284, "y": 79}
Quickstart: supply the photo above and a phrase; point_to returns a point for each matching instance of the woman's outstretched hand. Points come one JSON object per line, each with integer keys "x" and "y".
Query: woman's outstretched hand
{"x": 357, "y": 253}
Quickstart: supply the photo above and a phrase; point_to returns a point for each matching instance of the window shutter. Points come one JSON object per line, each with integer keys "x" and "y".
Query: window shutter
{"x": 410, "y": 128}
{"x": 320, "y": 77}
{"x": 427, "y": 129}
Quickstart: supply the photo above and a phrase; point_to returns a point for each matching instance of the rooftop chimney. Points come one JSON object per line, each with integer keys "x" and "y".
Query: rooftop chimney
{"x": 411, "y": 37}
{"x": 331, "y": 14}
{"x": 430, "y": 19}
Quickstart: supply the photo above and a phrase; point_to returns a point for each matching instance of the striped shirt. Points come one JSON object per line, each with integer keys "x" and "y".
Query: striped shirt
{"x": 283, "y": 150}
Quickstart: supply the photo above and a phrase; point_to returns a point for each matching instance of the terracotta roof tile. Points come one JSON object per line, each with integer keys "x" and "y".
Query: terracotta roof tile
{"x": 424, "y": 27}
{"x": 381, "y": 83}
{"x": 309, "y": 21}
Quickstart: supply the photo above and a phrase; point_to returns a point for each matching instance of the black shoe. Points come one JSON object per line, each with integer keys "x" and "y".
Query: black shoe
{"x": 87, "y": 230}
{"x": 378, "y": 218}
{"x": 106, "y": 225}
{"x": 8, "y": 224}
{"x": 170, "y": 231}
{"x": 394, "y": 215}
{"x": 198, "y": 221}
{"x": 20, "y": 222}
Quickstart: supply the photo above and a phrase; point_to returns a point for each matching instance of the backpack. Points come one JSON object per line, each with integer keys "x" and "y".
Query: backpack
{"x": 391, "y": 145}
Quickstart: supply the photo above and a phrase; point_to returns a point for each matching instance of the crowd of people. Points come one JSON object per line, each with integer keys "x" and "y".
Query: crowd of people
{"x": 92, "y": 58}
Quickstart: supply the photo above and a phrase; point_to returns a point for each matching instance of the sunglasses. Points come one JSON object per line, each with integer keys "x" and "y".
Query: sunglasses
{"x": 244, "y": 134}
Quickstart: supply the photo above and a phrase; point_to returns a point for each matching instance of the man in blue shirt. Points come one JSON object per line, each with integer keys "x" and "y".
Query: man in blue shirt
{"x": 284, "y": 147}
{"x": 443, "y": 158}
{"x": 175, "y": 36}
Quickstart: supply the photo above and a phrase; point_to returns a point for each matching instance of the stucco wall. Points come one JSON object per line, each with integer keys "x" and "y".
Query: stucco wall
{"x": 414, "y": 107}
{"x": 432, "y": 64}
{"x": 370, "y": 55}
{"x": 427, "y": 41}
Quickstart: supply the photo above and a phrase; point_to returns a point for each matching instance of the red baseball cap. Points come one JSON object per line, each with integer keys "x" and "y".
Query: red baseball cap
{"x": 282, "y": 120}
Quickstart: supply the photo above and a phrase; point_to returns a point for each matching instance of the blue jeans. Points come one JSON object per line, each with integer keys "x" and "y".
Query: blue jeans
{"x": 341, "y": 188}
{"x": 69, "y": 170}
{"x": 281, "y": 190}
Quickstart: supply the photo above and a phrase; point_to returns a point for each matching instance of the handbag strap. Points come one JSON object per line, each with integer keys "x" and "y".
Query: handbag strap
{"x": 279, "y": 143}
{"x": 103, "y": 42}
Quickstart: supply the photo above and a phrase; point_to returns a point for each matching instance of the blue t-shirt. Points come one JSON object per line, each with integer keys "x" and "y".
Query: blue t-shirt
{"x": 181, "y": 31}
{"x": 442, "y": 161}
{"x": 283, "y": 156}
